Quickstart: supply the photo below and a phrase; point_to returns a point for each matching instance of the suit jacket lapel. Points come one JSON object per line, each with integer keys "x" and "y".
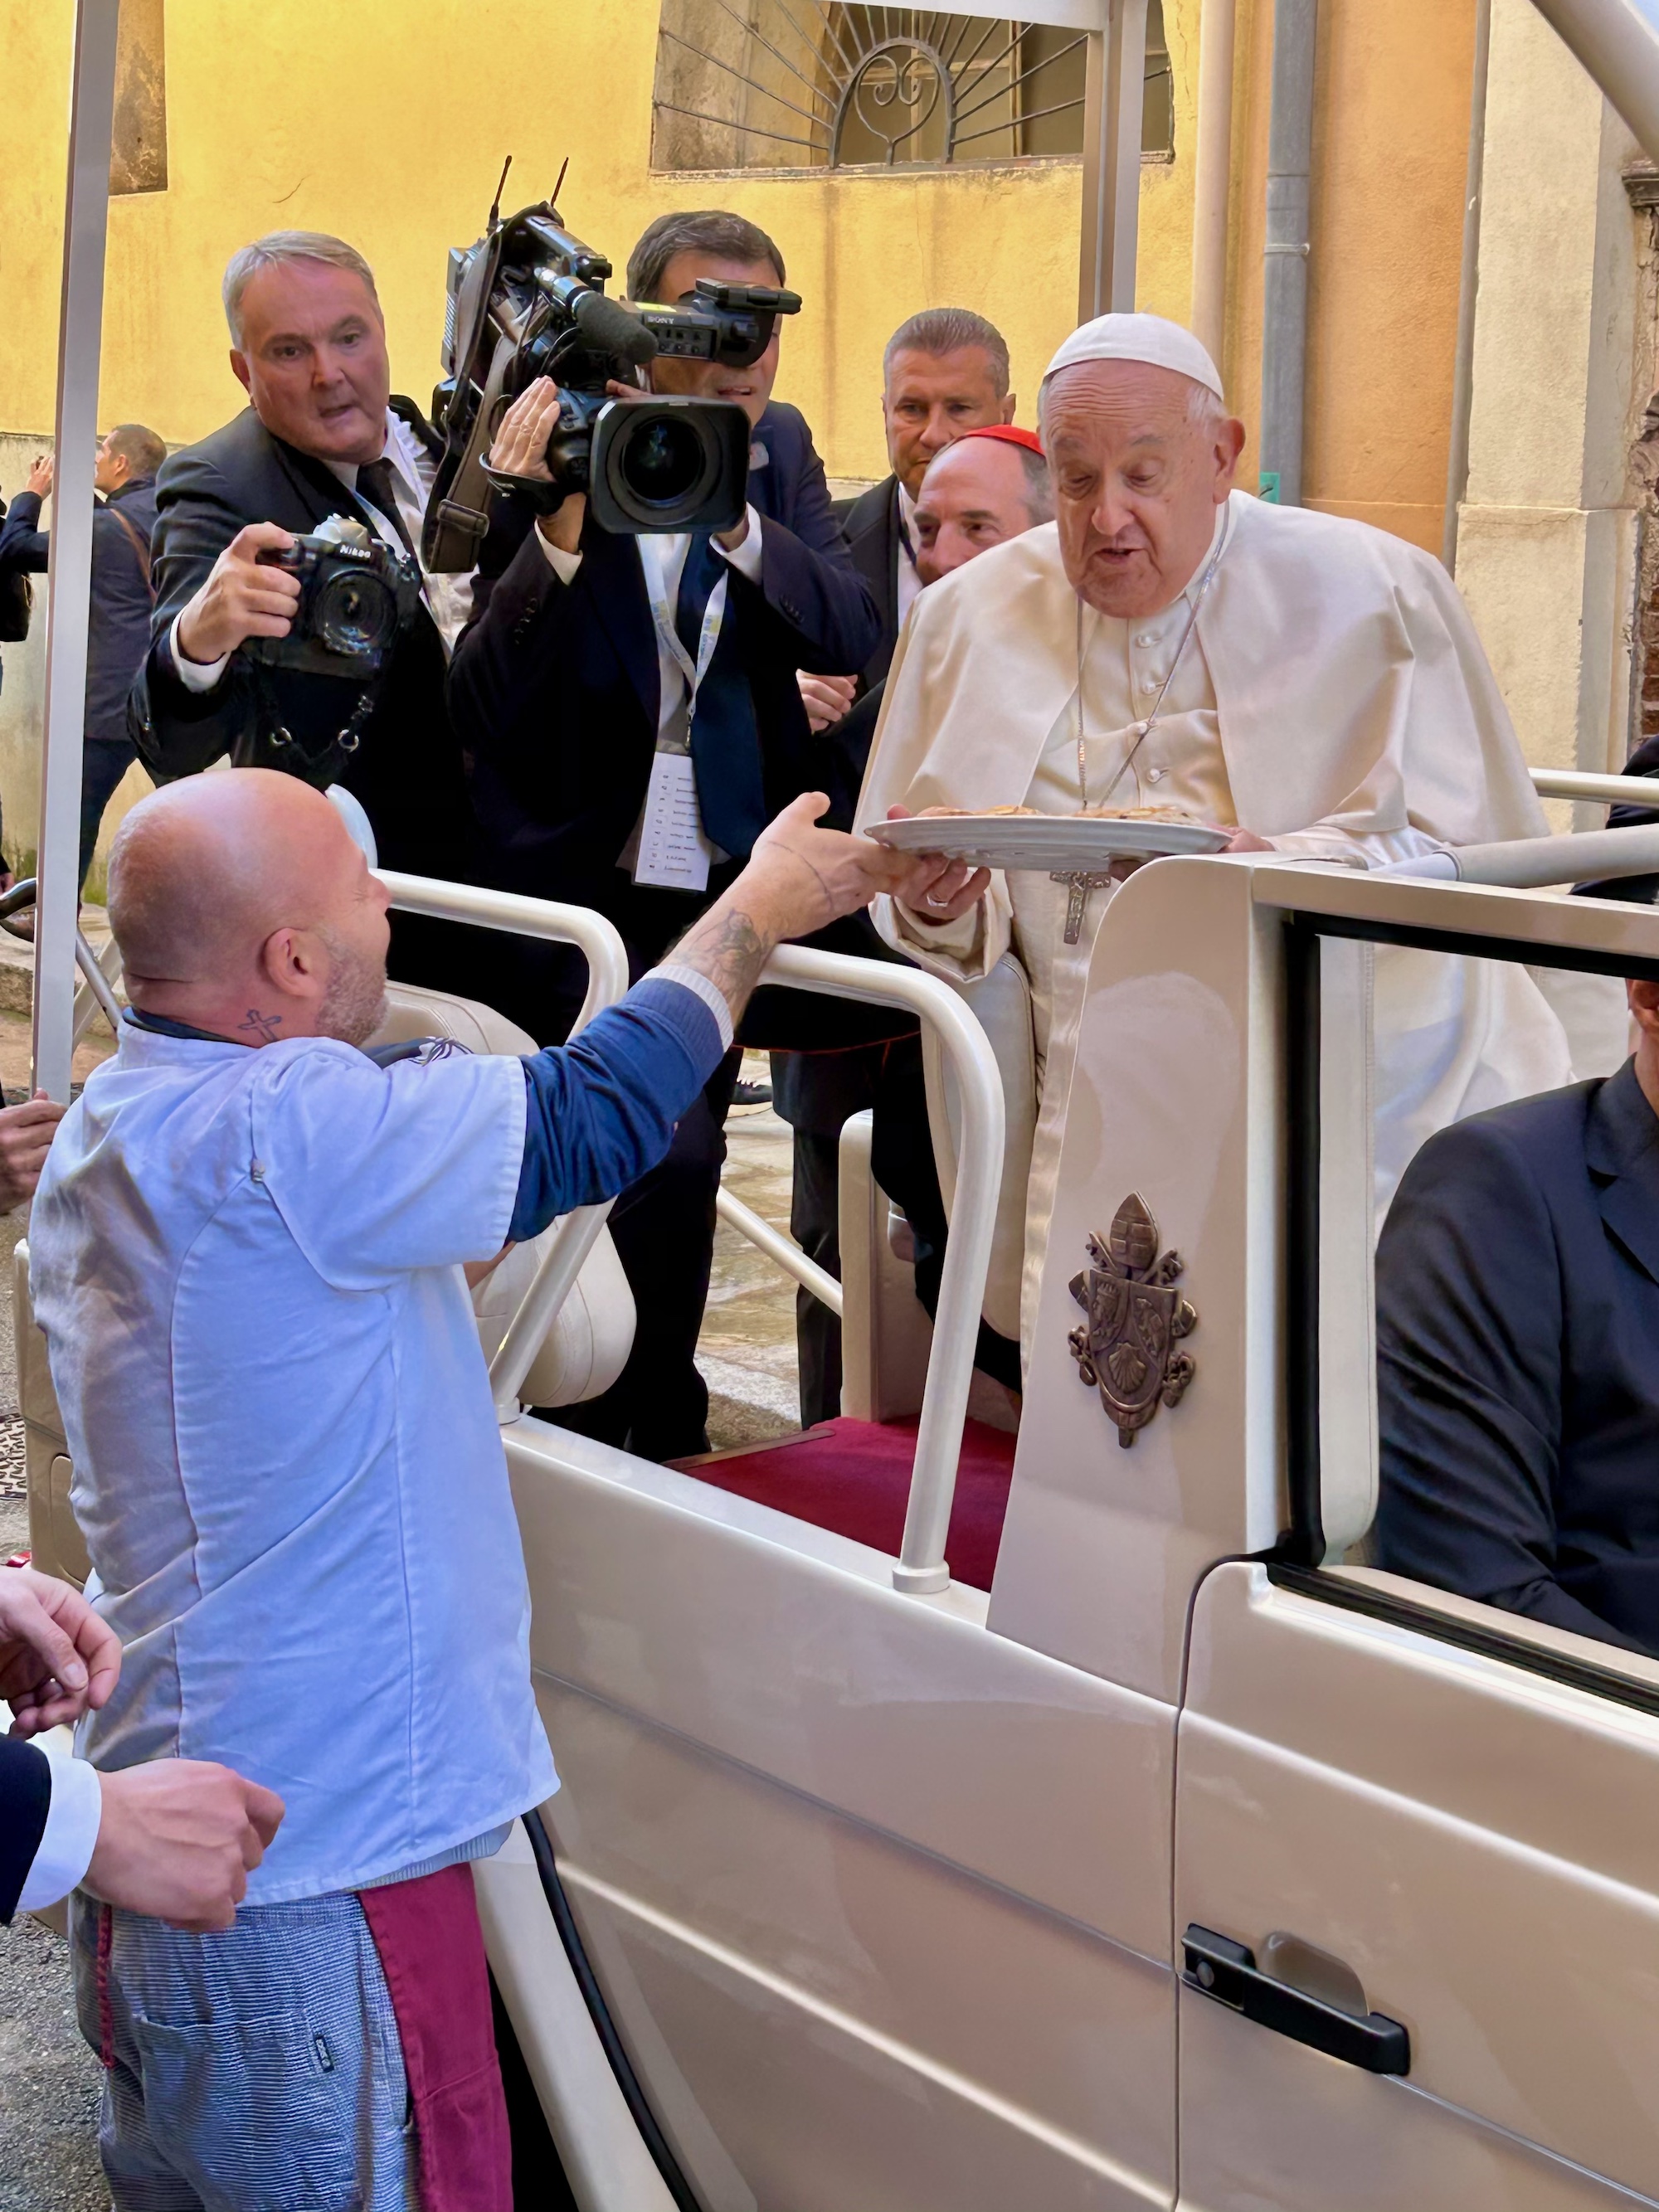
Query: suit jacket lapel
{"x": 617, "y": 589}
{"x": 1622, "y": 1145}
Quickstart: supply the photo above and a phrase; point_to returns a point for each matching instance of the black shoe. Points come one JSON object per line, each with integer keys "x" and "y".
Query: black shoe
{"x": 752, "y": 1094}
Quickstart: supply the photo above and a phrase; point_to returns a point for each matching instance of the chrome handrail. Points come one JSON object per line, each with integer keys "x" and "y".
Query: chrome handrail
{"x": 607, "y": 981}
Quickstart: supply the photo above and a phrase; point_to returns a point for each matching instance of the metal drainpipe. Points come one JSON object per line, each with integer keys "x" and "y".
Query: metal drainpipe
{"x": 1457, "y": 459}
{"x": 1285, "y": 316}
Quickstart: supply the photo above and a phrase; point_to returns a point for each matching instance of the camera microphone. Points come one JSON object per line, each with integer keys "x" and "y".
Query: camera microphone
{"x": 608, "y": 328}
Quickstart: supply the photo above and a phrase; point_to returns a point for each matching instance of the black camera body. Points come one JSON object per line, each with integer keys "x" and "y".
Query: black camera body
{"x": 528, "y": 301}
{"x": 357, "y": 598}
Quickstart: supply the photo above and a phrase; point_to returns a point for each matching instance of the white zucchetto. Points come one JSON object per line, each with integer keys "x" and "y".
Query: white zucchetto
{"x": 1150, "y": 338}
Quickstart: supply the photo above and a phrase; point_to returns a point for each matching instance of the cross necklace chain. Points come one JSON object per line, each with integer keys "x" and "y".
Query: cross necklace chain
{"x": 1081, "y": 881}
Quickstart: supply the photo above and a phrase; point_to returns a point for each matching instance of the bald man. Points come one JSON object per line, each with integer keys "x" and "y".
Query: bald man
{"x": 248, "y": 1247}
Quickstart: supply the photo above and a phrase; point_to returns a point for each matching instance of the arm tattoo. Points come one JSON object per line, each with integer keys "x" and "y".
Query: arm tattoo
{"x": 731, "y": 952}
{"x": 259, "y": 1028}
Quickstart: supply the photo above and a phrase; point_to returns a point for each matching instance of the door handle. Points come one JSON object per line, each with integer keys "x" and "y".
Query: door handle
{"x": 1218, "y": 1967}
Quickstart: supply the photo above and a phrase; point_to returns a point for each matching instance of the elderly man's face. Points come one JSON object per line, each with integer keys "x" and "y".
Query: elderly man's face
{"x": 313, "y": 356}
{"x": 1137, "y": 482}
{"x": 750, "y": 388}
{"x": 975, "y": 496}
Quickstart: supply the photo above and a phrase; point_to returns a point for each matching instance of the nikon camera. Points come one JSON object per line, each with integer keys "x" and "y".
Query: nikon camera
{"x": 528, "y": 301}
{"x": 357, "y": 598}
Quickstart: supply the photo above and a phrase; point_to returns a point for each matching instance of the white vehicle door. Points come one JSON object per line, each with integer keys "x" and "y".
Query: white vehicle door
{"x": 1417, "y": 1878}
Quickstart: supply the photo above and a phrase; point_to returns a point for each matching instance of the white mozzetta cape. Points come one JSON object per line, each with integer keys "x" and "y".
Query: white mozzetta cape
{"x": 1351, "y": 691}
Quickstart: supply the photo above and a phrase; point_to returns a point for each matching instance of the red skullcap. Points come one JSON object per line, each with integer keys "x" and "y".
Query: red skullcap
{"x": 1009, "y": 433}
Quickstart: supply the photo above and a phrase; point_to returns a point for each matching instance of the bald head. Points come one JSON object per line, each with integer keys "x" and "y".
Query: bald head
{"x": 977, "y": 493}
{"x": 241, "y": 905}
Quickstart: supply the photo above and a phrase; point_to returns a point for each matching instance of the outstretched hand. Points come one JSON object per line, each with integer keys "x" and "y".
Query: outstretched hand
{"x": 57, "y": 1659}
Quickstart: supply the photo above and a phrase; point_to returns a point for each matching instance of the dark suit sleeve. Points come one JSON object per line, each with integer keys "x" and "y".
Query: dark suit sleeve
{"x": 1469, "y": 1333}
{"x": 523, "y": 621}
{"x": 25, "y": 1801}
{"x": 179, "y": 731}
{"x": 807, "y": 577}
{"x": 23, "y": 544}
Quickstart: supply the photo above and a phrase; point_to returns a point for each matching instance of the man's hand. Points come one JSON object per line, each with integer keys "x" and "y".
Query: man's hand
{"x": 26, "y": 1135}
{"x": 1246, "y": 840}
{"x": 57, "y": 1659}
{"x": 799, "y": 878}
{"x": 40, "y": 475}
{"x": 178, "y": 1840}
{"x": 520, "y": 449}
{"x": 241, "y": 599}
{"x": 826, "y": 698}
{"x": 947, "y": 888}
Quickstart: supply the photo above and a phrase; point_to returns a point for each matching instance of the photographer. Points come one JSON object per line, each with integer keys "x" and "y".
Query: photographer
{"x": 322, "y": 439}
{"x": 570, "y": 689}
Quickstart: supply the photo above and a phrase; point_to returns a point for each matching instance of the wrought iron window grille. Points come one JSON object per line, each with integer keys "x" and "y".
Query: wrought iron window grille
{"x": 814, "y": 84}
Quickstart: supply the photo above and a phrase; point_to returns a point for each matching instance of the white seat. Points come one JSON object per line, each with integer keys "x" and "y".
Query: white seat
{"x": 1002, "y": 1003}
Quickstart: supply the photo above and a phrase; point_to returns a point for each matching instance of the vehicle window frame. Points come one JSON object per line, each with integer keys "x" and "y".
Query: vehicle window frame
{"x": 1297, "y": 1561}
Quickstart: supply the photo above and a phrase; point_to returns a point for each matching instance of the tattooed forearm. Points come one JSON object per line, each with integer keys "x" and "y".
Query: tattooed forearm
{"x": 727, "y": 947}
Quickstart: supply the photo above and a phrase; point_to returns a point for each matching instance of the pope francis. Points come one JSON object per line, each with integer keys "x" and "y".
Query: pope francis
{"x": 1309, "y": 682}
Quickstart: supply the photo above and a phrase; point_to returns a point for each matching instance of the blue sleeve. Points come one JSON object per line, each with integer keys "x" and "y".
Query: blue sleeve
{"x": 602, "y": 1110}
{"x": 22, "y": 544}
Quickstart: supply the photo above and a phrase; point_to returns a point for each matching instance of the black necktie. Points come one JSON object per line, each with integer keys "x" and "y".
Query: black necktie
{"x": 726, "y": 754}
{"x": 375, "y": 485}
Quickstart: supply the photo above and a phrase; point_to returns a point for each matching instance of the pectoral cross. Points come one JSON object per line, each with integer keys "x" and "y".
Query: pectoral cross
{"x": 1081, "y": 882}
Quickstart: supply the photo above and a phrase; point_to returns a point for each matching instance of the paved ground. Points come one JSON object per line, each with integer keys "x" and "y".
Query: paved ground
{"x": 48, "y": 2102}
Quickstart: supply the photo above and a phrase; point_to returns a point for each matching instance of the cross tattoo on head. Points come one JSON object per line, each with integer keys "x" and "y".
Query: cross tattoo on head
{"x": 1082, "y": 882}
{"x": 259, "y": 1028}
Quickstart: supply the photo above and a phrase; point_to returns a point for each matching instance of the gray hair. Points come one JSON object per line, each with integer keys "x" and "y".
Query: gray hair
{"x": 939, "y": 331}
{"x": 713, "y": 231}
{"x": 1204, "y": 407}
{"x": 280, "y": 245}
{"x": 144, "y": 450}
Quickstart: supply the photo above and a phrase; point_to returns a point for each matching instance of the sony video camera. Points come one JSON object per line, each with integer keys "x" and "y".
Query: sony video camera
{"x": 528, "y": 301}
{"x": 357, "y": 598}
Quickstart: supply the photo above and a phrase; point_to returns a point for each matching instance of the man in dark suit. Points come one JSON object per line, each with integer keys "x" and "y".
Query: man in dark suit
{"x": 944, "y": 371}
{"x": 174, "y": 1838}
{"x": 571, "y": 690}
{"x": 118, "y": 633}
{"x": 323, "y": 437}
{"x": 1517, "y": 1300}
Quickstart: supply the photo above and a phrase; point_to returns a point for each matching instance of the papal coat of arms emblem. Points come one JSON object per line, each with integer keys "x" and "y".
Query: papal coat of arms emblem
{"x": 1126, "y": 1346}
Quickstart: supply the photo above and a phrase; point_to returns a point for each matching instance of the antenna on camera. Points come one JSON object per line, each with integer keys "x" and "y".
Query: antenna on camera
{"x": 553, "y": 196}
{"x": 496, "y": 205}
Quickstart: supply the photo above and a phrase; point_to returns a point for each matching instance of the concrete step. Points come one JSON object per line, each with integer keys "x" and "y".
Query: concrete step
{"x": 17, "y": 961}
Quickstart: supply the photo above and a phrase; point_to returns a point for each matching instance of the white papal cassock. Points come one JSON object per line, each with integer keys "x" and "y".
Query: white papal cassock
{"x": 1332, "y": 697}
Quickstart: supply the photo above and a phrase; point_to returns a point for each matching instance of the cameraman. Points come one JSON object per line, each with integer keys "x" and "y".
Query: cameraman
{"x": 573, "y": 680}
{"x": 323, "y": 437}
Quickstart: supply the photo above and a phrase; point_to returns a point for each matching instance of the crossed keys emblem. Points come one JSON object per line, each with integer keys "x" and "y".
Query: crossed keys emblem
{"x": 1135, "y": 1316}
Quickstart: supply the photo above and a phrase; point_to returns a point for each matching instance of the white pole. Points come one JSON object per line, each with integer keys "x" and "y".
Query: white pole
{"x": 1213, "y": 165}
{"x": 1114, "y": 91}
{"x": 68, "y": 576}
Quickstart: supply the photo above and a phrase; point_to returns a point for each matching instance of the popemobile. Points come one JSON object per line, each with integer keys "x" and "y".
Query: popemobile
{"x": 960, "y": 1821}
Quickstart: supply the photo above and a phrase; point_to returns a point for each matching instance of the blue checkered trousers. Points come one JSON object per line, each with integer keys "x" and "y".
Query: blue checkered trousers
{"x": 255, "y": 2070}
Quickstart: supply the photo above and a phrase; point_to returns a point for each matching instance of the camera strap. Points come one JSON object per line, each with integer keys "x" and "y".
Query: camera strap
{"x": 673, "y": 852}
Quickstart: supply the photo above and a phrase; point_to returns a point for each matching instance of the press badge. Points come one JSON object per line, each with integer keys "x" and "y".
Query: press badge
{"x": 674, "y": 853}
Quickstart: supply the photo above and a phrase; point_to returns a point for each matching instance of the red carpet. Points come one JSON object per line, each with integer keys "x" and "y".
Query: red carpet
{"x": 854, "y": 1477}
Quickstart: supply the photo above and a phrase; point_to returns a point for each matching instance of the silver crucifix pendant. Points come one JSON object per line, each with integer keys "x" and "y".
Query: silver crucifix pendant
{"x": 1081, "y": 882}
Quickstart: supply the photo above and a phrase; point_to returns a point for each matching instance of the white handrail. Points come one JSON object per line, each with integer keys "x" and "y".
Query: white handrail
{"x": 1604, "y": 790}
{"x": 783, "y": 1249}
{"x": 607, "y": 981}
{"x": 1532, "y": 864}
{"x": 921, "y": 1565}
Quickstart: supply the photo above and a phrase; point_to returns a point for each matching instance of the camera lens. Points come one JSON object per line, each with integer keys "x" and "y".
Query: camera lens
{"x": 665, "y": 461}
{"x": 356, "y": 615}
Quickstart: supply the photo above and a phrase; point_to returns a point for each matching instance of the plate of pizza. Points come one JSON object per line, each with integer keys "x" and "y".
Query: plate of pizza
{"x": 1019, "y": 837}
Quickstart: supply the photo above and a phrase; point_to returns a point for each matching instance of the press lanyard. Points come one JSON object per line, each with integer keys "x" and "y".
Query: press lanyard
{"x": 673, "y": 850}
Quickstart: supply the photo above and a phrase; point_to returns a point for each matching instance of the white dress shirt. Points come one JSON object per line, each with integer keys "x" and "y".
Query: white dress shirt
{"x": 662, "y": 556}
{"x": 448, "y": 598}
{"x": 70, "y": 1835}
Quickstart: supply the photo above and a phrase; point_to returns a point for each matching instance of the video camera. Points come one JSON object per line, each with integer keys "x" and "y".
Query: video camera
{"x": 528, "y": 301}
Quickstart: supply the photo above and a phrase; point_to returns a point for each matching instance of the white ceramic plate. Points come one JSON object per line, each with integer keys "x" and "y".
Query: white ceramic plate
{"x": 1049, "y": 842}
